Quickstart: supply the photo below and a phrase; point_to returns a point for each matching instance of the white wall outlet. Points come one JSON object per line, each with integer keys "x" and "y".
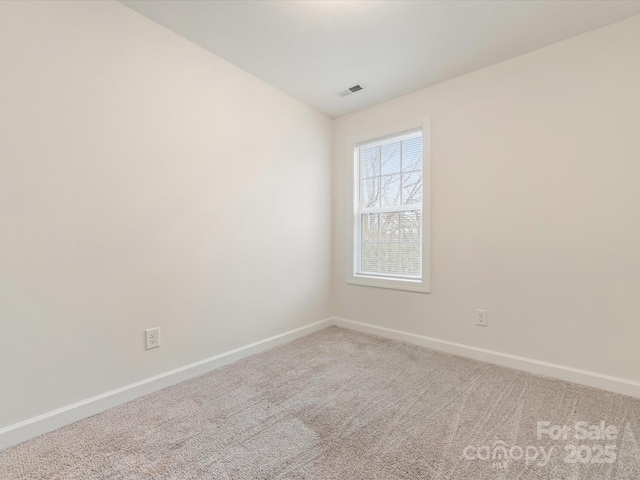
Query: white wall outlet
{"x": 481, "y": 318}
{"x": 152, "y": 338}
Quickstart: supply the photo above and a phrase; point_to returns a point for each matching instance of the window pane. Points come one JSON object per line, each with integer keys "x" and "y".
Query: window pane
{"x": 369, "y": 257}
{"x": 369, "y": 222}
{"x": 390, "y": 158}
{"x": 369, "y": 162}
{"x": 410, "y": 226}
{"x": 412, "y": 188}
{"x": 370, "y": 193}
{"x": 390, "y": 184}
{"x": 410, "y": 259}
{"x": 389, "y": 227}
{"x": 390, "y": 190}
{"x": 412, "y": 154}
{"x": 389, "y": 258}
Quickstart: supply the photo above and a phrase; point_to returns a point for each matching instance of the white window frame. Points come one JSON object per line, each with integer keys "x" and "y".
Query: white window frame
{"x": 422, "y": 284}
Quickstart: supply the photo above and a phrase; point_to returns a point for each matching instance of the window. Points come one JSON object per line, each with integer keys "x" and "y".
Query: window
{"x": 389, "y": 215}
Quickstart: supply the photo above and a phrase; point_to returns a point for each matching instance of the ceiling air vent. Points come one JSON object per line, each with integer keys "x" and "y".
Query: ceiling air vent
{"x": 350, "y": 90}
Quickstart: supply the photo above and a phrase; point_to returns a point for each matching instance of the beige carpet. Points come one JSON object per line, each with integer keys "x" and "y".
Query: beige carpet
{"x": 344, "y": 405}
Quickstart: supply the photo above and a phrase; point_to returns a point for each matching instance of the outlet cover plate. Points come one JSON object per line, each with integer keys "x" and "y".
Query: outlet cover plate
{"x": 481, "y": 318}
{"x": 152, "y": 338}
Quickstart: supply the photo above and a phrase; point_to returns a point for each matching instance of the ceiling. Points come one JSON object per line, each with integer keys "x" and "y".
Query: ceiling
{"x": 314, "y": 49}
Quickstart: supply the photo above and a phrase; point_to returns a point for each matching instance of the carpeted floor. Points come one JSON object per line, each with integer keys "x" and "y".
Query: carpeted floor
{"x": 343, "y": 405}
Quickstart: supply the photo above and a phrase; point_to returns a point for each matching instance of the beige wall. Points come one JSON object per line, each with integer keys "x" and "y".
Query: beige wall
{"x": 145, "y": 182}
{"x": 535, "y": 177}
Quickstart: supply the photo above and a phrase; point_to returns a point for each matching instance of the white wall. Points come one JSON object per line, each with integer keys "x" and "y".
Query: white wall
{"x": 536, "y": 206}
{"x": 145, "y": 182}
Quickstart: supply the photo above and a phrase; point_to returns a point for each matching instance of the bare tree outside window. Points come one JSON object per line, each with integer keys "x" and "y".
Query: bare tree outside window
{"x": 390, "y": 206}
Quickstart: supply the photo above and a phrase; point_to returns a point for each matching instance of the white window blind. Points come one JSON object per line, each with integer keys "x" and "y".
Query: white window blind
{"x": 389, "y": 207}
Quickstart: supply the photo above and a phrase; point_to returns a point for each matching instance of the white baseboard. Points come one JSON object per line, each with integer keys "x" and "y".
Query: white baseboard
{"x": 583, "y": 377}
{"x": 32, "y": 427}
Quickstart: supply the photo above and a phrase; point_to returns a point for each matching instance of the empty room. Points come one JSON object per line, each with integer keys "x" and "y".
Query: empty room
{"x": 320, "y": 239}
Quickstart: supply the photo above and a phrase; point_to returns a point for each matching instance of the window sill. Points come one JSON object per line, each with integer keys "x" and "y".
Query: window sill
{"x": 394, "y": 284}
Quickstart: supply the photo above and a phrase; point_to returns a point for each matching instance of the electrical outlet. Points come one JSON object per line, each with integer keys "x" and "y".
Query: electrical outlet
{"x": 152, "y": 338}
{"x": 481, "y": 318}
